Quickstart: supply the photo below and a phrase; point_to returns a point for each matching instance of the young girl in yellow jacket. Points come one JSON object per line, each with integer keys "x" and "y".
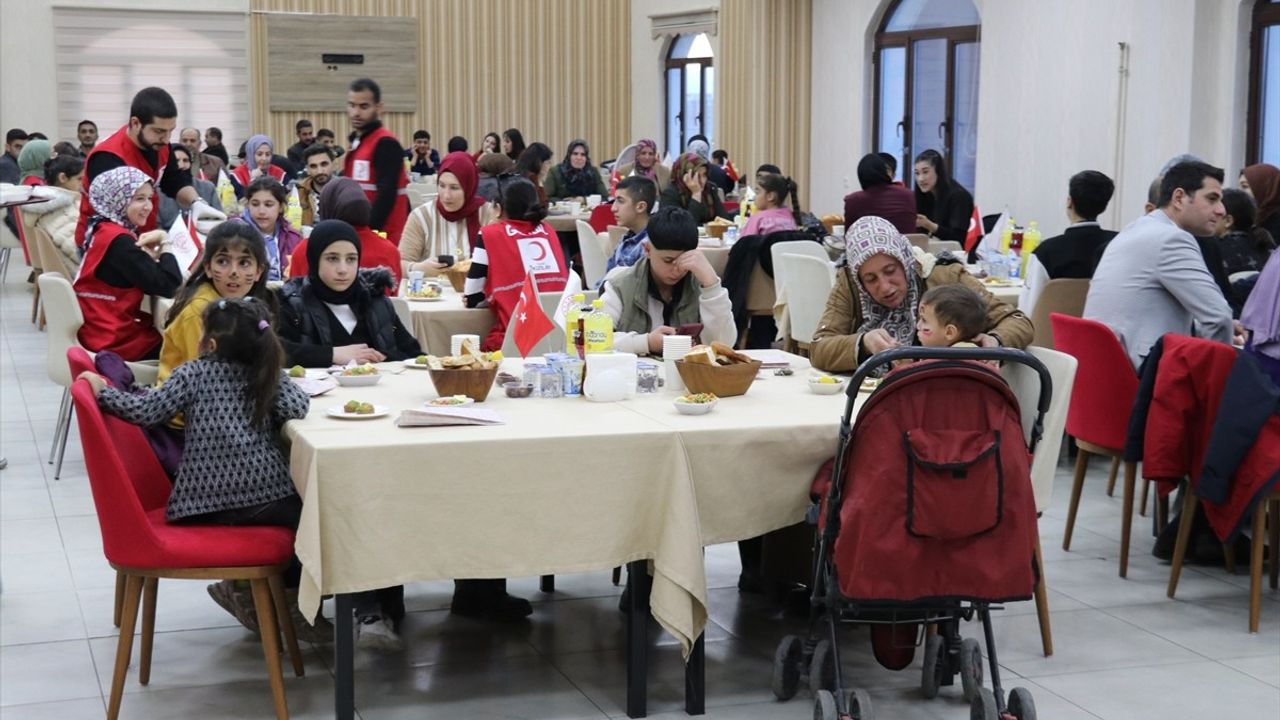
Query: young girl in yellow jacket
{"x": 234, "y": 265}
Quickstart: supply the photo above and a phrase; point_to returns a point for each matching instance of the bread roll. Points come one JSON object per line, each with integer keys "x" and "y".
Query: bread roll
{"x": 701, "y": 354}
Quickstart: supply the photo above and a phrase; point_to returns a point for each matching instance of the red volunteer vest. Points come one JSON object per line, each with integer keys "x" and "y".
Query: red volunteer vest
{"x": 241, "y": 174}
{"x": 122, "y": 147}
{"x": 516, "y": 248}
{"x": 359, "y": 167}
{"x": 113, "y": 317}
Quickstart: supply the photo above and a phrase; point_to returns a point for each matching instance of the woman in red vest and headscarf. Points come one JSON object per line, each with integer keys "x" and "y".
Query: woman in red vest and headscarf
{"x": 120, "y": 267}
{"x": 257, "y": 162}
{"x": 519, "y": 244}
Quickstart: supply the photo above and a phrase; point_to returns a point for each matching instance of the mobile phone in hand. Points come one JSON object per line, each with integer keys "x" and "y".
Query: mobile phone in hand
{"x": 693, "y": 330}
{"x": 445, "y": 260}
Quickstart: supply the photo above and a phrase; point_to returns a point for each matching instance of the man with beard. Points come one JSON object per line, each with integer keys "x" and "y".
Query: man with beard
{"x": 318, "y": 161}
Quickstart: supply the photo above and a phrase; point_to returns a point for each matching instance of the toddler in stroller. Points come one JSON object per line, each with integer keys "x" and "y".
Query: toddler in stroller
{"x": 927, "y": 519}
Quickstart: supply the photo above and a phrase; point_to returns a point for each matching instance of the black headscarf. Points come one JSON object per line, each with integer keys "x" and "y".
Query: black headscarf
{"x": 342, "y": 199}
{"x": 326, "y": 233}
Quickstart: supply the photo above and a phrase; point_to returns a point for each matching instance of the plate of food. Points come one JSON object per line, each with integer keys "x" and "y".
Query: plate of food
{"x": 357, "y": 410}
{"x": 358, "y": 375}
{"x": 869, "y": 385}
{"x": 298, "y": 372}
{"x": 428, "y": 293}
{"x": 696, "y": 403}
{"x": 826, "y": 384}
{"x": 422, "y": 362}
{"x": 450, "y": 401}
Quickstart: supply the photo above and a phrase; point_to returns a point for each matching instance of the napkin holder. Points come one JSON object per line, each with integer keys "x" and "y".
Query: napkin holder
{"x": 610, "y": 377}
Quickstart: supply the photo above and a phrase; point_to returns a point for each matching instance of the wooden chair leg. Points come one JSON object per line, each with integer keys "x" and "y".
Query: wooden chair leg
{"x": 119, "y": 606}
{"x": 1274, "y": 522}
{"x": 124, "y": 647}
{"x": 1184, "y": 535}
{"x": 1229, "y": 557}
{"x": 1255, "y": 567}
{"x": 285, "y": 618}
{"x": 1077, "y": 484}
{"x": 1126, "y": 516}
{"x": 270, "y": 644}
{"x": 1042, "y": 605}
{"x": 1111, "y": 478}
{"x": 1162, "y": 511}
{"x": 149, "y": 587}
{"x": 1142, "y": 504}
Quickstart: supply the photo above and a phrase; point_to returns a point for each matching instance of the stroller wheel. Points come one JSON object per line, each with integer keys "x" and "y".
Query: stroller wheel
{"x": 935, "y": 661}
{"x": 860, "y": 705}
{"x": 824, "y": 706}
{"x": 970, "y": 667}
{"x": 822, "y": 668}
{"x": 1021, "y": 706}
{"x": 786, "y": 667}
{"x": 983, "y": 705}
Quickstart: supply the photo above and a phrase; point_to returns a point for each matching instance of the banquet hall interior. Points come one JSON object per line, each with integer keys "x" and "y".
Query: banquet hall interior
{"x": 633, "y": 532}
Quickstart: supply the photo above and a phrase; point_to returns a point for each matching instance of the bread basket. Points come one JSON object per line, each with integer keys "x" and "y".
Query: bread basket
{"x": 475, "y": 384}
{"x": 720, "y": 380}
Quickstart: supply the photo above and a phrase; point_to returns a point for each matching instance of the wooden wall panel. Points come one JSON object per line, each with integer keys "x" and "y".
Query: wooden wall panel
{"x": 764, "y": 85}
{"x": 298, "y": 79}
{"x": 556, "y": 69}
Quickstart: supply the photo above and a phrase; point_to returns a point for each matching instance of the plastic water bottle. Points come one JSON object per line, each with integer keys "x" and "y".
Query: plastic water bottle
{"x": 731, "y": 235}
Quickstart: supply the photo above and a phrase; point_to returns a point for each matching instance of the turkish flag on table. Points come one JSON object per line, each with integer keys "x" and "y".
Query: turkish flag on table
{"x": 975, "y": 230}
{"x": 529, "y": 323}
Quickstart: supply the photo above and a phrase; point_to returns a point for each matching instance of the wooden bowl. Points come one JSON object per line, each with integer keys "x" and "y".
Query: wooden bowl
{"x": 475, "y": 384}
{"x": 720, "y": 380}
{"x": 457, "y": 278}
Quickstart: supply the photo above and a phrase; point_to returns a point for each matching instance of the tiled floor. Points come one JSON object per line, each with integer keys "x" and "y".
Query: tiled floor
{"x": 1124, "y": 651}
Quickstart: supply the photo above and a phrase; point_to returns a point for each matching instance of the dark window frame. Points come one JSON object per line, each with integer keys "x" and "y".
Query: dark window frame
{"x": 680, "y": 65}
{"x": 1265, "y": 14}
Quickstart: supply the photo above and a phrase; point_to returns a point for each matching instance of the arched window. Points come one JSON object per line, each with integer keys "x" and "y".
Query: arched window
{"x": 1264, "y": 84}
{"x": 926, "y": 84}
{"x": 690, "y": 90}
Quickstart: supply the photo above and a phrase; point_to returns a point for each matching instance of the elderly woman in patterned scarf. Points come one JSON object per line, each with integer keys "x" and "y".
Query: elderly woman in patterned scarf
{"x": 690, "y": 190}
{"x": 642, "y": 159}
{"x": 874, "y": 304}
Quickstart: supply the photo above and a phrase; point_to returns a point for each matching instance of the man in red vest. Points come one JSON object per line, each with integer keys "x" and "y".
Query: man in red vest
{"x": 144, "y": 144}
{"x": 376, "y": 160}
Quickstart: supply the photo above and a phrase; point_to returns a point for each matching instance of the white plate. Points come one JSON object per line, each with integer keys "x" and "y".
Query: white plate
{"x": 826, "y": 388}
{"x": 337, "y": 412}
{"x": 315, "y": 388}
{"x": 436, "y": 404}
{"x": 695, "y": 408}
{"x": 357, "y": 380}
{"x": 438, "y": 298}
{"x": 865, "y": 388}
{"x": 412, "y": 364}
{"x": 312, "y": 374}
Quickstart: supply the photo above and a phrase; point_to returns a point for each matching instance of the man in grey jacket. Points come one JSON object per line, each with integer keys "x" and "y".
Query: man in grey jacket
{"x": 1152, "y": 279}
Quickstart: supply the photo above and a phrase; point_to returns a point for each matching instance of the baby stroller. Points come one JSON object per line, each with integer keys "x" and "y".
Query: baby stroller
{"x": 927, "y": 520}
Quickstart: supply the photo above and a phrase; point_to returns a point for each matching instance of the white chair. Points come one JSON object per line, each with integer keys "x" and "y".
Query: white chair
{"x": 64, "y": 318}
{"x": 809, "y": 282}
{"x": 8, "y": 241}
{"x": 1026, "y": 386}
{"x": 781, "y": 281}
{"x": 402, "y": 311}
{"x": 554, "y": 340}
{"x": 415, "y": 196}
{"x": 593, "y": 260}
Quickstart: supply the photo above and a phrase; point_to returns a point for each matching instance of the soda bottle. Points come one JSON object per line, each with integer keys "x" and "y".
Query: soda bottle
{"x": 573, "y": 331}
{"x": 598, "y": 329}
{"x": 1030, "y": 241}
{"x": 1006, "y": 236}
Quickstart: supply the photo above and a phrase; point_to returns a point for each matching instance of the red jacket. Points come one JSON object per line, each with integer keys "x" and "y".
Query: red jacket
{"x": 359, "y": 167}
{"x": 113, "y": 317}
{"x": 375, "y": 251}
{"x": 516, "y": 248}
{"x": 1186, "y": 402}
{"x": 120, "y": 145}
{"x": 243, "y": 172}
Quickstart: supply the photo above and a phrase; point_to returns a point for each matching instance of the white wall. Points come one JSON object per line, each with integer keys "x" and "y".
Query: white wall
{"x": 648, "y": 94}
{"x": 28, "y": 80}
{"x": 1048, "y": 97}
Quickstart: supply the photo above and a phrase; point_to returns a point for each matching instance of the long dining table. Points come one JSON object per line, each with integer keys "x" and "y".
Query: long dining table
{"x": 563, "y": 485}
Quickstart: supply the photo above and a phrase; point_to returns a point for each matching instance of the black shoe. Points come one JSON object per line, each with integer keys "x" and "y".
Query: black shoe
{"x": 752, "y": 583}
{"x": 502, "y": 608}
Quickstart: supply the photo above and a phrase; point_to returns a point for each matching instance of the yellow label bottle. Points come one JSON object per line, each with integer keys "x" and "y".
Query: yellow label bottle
{"x": 1030, "y": 240}
{"x": 1006, "y": 237}
{"x": 599, "y": 329}
{"x": 293, "y": 211}
{"x": 572, "y": 332}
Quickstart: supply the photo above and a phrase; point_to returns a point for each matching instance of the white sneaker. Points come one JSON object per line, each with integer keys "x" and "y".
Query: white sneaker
{"x": 377, "y": 633}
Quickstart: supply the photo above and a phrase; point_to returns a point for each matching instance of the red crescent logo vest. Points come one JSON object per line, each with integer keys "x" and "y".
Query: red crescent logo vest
{"x": 514, "y": 250}
{"x": 113, "y": 317}
{"x": 241, "y": 174}
{"x": 122, "y": 147}
{"x": 358, "y": 166}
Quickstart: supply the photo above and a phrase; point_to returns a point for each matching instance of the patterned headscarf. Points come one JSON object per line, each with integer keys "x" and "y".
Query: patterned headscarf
{"x": 869, "y": 236}
{"x": 701, "y": 148}
{"x": 110, "y": 193}
{"x": 652, "y": 172}
{"x": 690, "y": 162}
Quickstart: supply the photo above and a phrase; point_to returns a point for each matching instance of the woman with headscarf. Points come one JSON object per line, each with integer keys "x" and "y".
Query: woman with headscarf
{"x": 875, "y": 302}
{"x": 342, "y": 199}
{"x": 443, "y": 232}
{"x": 257, "y": 161}
{"x": 1263, "y": 182}
{"x": 120, "y": 267}
{"x": 690, "y": 189}
{"x": 647, "y": 165}
{"x": 31, "y": 161}
{"x": 575, "y": 176}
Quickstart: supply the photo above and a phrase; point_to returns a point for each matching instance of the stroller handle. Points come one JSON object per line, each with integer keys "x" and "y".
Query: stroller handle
{"x": 1000, "y": 354}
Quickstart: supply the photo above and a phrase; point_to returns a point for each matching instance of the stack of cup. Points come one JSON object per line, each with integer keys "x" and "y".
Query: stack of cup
{"x": 675, "y": 347}
{"x": 455, "y": 343}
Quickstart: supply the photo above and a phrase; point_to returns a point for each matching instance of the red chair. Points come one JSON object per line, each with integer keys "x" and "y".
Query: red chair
{"x": 130, "y": 499}
{"x": 1098, "y": 417}
{"x": 602, "y": 217}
